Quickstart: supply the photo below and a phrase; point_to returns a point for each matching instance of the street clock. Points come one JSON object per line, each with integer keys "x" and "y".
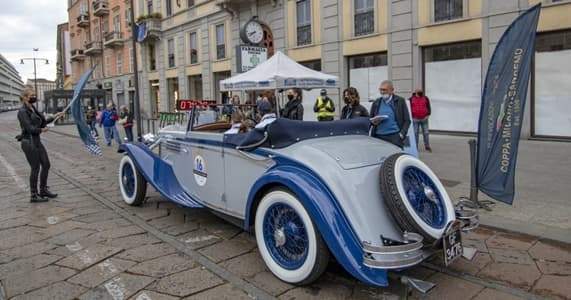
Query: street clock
{"x": 252, "y": 32}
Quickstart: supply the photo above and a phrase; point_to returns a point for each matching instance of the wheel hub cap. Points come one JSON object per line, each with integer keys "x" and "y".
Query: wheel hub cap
{"x": 280, "y": 237}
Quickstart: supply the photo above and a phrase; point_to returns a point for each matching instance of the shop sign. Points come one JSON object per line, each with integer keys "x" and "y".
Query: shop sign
{"x": 248, "y": 57}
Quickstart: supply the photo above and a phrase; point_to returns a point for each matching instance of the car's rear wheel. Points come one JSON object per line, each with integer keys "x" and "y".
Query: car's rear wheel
{"x": 415, "y": 196}
{"x": 132, "y": 184}
{"x": 288, "y": 241}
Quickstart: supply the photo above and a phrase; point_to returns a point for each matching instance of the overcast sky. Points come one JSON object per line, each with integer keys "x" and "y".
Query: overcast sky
{"x": 28, "y": 24}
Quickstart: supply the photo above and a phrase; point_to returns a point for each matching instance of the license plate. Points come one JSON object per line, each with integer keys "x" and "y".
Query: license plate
{"x": 452, "y": 246}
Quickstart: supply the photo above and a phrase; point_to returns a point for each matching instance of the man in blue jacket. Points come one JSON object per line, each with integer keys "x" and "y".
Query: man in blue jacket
{"x": 389, "y": 114}
{"x": 108, "y": 119}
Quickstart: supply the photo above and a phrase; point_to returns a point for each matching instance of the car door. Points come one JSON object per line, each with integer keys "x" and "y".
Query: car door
{"x": 200, "y": 168}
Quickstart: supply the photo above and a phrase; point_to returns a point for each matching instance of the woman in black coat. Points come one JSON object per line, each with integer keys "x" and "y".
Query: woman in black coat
{"x": 33, "y": 123}
{"x": 293, "y": 109}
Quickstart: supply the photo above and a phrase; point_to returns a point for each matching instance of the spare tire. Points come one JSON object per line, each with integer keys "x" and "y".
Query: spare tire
{"x": 415, "y": 196}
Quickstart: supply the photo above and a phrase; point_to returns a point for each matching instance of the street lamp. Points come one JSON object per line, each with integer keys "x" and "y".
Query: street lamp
{"x": 34, "y": 59}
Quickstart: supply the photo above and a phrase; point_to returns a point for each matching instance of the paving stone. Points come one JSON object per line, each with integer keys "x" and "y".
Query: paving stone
{"x": 165, "y": 222}
{"x": 551, "y": 251}
{"x": 480, "y": 233}
{"x": 448, "y": 287}
{"x": 222, "y": 229}
{"x": 223, "y": 292}
{"x": 60, "y": 290}
{"x": 150, "y": 295}
{"x": 132, "y": 241}
{"x": 179, "y": 229}
{"x": 471, "y": 267}
{"x": 97, "y": 217}
{"x": 60, "y": 228}
{"x": 511, "y": 256}
{"x": 521, "y": 276}
{"x": 5, "y": 258}
{"x": 511, "y": 241}
{"x": 270, "y": 283}
{"x": 70, "y": 236}
{"x": 120, "y": 232}
{"x": 27, "y": 264}
{"x": 71, "y": 248}
{"x": 491, "y": 294}
{"x": 199, "y": 239}
{"x": 187, "y": 282}
{"x": 147, "y": 252}
{"x": 122, "y": 286}
{"x": 107, "y": 224}
{"x": 19, "y": 236}
{"x": 554, "y": 287}
{"x": 88, "y": 257}
{"x": 480, "y": 245}
{"x": 554, "y": 267}
{"x": 366, "y": 292}
{"x": 23, "y": 283}
{"x": 13, "y": 223}
{"x": 149, "y": 213}
{"x": 322, "y": 289}
{"x": 246, "y": 265}
{"x": 101, "y": 272}
{"x": 29, "y": 250}
{"x": 164, "y": 265}
{"x": 51, "y": 220}
{"x": 228, "y": 249}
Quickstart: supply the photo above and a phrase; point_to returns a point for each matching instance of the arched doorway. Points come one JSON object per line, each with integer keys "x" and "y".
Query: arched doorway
{"x": 268, "y": 41}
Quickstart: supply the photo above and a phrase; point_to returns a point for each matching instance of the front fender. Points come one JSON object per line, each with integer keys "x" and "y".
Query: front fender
{"x": 325, "y": 212}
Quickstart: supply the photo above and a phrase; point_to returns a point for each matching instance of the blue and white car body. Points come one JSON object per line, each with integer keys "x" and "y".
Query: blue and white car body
{"x": 330, "y": 174}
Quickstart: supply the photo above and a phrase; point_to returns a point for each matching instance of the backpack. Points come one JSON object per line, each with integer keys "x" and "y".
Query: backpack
{"x": 419, "y": 107}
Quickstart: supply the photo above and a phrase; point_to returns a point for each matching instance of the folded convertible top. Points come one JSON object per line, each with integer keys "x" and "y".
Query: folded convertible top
{"x": 284, "y": 132}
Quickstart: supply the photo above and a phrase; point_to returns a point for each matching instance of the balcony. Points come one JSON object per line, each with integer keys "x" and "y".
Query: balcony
{"x": 100, "y": 7}
{"x": 152, "y": 27}
{"x": 77, "y": 55}
{"x": 113, "y": 39}
{"x": 83, "y": 20}
{"x": 93, "y": 48}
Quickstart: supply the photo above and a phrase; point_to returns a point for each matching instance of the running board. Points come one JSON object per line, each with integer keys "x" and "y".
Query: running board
{"x": 410, "y": 283}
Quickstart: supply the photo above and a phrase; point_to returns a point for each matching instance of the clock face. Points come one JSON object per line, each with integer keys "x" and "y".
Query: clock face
{"x": 254, "y": 32}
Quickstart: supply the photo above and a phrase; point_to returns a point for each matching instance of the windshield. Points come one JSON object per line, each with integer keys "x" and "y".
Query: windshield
{"x": 221, "y": 113}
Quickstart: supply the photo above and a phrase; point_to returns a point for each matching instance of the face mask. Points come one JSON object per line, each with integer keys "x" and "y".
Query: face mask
{"x": 289, "y": 97}
{"x": 33, "y": 99}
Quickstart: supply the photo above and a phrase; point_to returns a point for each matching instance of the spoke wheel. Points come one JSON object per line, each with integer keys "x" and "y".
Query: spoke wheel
{"x": 132, "y": 184}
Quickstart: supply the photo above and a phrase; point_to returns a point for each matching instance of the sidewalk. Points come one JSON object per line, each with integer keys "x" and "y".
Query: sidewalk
{"x": 543, "y": 196}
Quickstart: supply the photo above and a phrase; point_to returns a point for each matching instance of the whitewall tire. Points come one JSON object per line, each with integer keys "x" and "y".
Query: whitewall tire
{"x": 288, "y": 241}
{"x": 132, "y": 184}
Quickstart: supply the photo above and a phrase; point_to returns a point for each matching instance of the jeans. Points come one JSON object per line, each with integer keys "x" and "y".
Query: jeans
{"x": 129, "y": 133}
{"x": 111, "y": 133}
{"x": 92, "y": 128}
{"x": 37, "y": 157}
{"x": 418, "y": 125}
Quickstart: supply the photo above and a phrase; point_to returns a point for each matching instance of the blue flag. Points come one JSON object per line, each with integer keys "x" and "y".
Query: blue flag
{"x": 78, "y": 116}
{"x": 503, "y": 103}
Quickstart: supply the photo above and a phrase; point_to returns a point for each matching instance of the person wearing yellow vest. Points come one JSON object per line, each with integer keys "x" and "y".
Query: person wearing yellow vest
{"x": 324, "y": 107}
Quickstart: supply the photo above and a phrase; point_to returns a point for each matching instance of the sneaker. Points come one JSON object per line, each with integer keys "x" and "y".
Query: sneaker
{"x": 428, "y": 149}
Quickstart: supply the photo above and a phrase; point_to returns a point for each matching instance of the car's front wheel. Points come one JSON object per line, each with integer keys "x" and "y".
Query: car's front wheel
{"x": 289, "y": 243}
{"x": 132, "y": 184}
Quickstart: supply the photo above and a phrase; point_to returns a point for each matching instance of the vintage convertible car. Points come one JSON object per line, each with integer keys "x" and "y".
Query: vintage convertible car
{"x": 307, "y": 190}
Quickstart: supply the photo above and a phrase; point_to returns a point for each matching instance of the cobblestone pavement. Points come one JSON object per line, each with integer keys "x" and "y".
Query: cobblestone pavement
{"x": 87, "y": 244}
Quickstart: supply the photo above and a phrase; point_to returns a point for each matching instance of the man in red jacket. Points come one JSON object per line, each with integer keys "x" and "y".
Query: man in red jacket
{"x": 420, "y": 107}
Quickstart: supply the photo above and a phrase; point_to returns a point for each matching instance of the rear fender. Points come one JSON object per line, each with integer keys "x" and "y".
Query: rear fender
{"x": 325, "y": 212}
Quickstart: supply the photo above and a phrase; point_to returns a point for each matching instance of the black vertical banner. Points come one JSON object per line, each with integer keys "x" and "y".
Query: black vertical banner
{"x": 503, "y": 103}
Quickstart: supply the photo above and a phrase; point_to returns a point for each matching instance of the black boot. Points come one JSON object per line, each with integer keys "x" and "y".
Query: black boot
{"x": 45, "y": 192}
{"x": 35, "y": 198}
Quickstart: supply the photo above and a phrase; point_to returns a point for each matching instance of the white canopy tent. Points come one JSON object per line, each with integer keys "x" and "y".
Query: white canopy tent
{"x": 279, "y": 72}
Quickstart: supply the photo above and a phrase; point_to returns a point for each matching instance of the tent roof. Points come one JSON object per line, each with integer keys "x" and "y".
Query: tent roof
{"x": 278, "y": 72}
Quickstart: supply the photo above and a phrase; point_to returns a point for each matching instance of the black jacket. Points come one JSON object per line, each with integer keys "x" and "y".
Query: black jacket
{"x": 352, "y": 112}
{"x": 401, "y": 113}
{"x": 32, "y": 122}
{"x": 293, "y": 110}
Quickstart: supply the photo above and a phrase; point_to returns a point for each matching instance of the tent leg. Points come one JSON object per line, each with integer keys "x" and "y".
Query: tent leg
{"x": 473, "y": 181}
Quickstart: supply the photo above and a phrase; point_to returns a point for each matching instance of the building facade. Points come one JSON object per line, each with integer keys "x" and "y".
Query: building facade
{"x": 442, "y": 46}
{"x": 11, "y": 84}
{"x": 100, "y": 37}
{"x": 63, "y": 61}
{"x": 42, "y": 85}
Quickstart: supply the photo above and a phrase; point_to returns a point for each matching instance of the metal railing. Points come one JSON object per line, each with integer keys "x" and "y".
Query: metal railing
{"x": 364, "y": 23}
{"x": 304, "y": 35}
{"x": 220, "y": 51}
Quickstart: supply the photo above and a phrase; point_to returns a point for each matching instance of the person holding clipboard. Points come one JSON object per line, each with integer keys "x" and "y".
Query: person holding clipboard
{"x": 389, "y": 116}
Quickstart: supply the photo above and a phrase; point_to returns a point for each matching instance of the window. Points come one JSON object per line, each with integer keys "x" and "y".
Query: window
{"x": 152, "y": 58}
{"x": 312, "y": 64}
{"x": 303, "y": 22}
{"x": 193, "y": 45}
{"x": 128, "y": 17}
{"x": 364, "y": 17}
{"x": 119, "y": 62}
{"x": 454, "y": 51}
{"x": 150, "y": 7}
{"x": 107, "y": 65}
{"x": 195, "y": 86}
{"x": 131, "y": 56}
{"x": 190, "y": 3}
{"x": 117, "y": 23}
{"x": 171, "y": 57}
{"x": 220, "y": 42}
{"x": 169, "y": 7}
{"x": 445, "y": 10}
{"x": 368, "y": 61}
